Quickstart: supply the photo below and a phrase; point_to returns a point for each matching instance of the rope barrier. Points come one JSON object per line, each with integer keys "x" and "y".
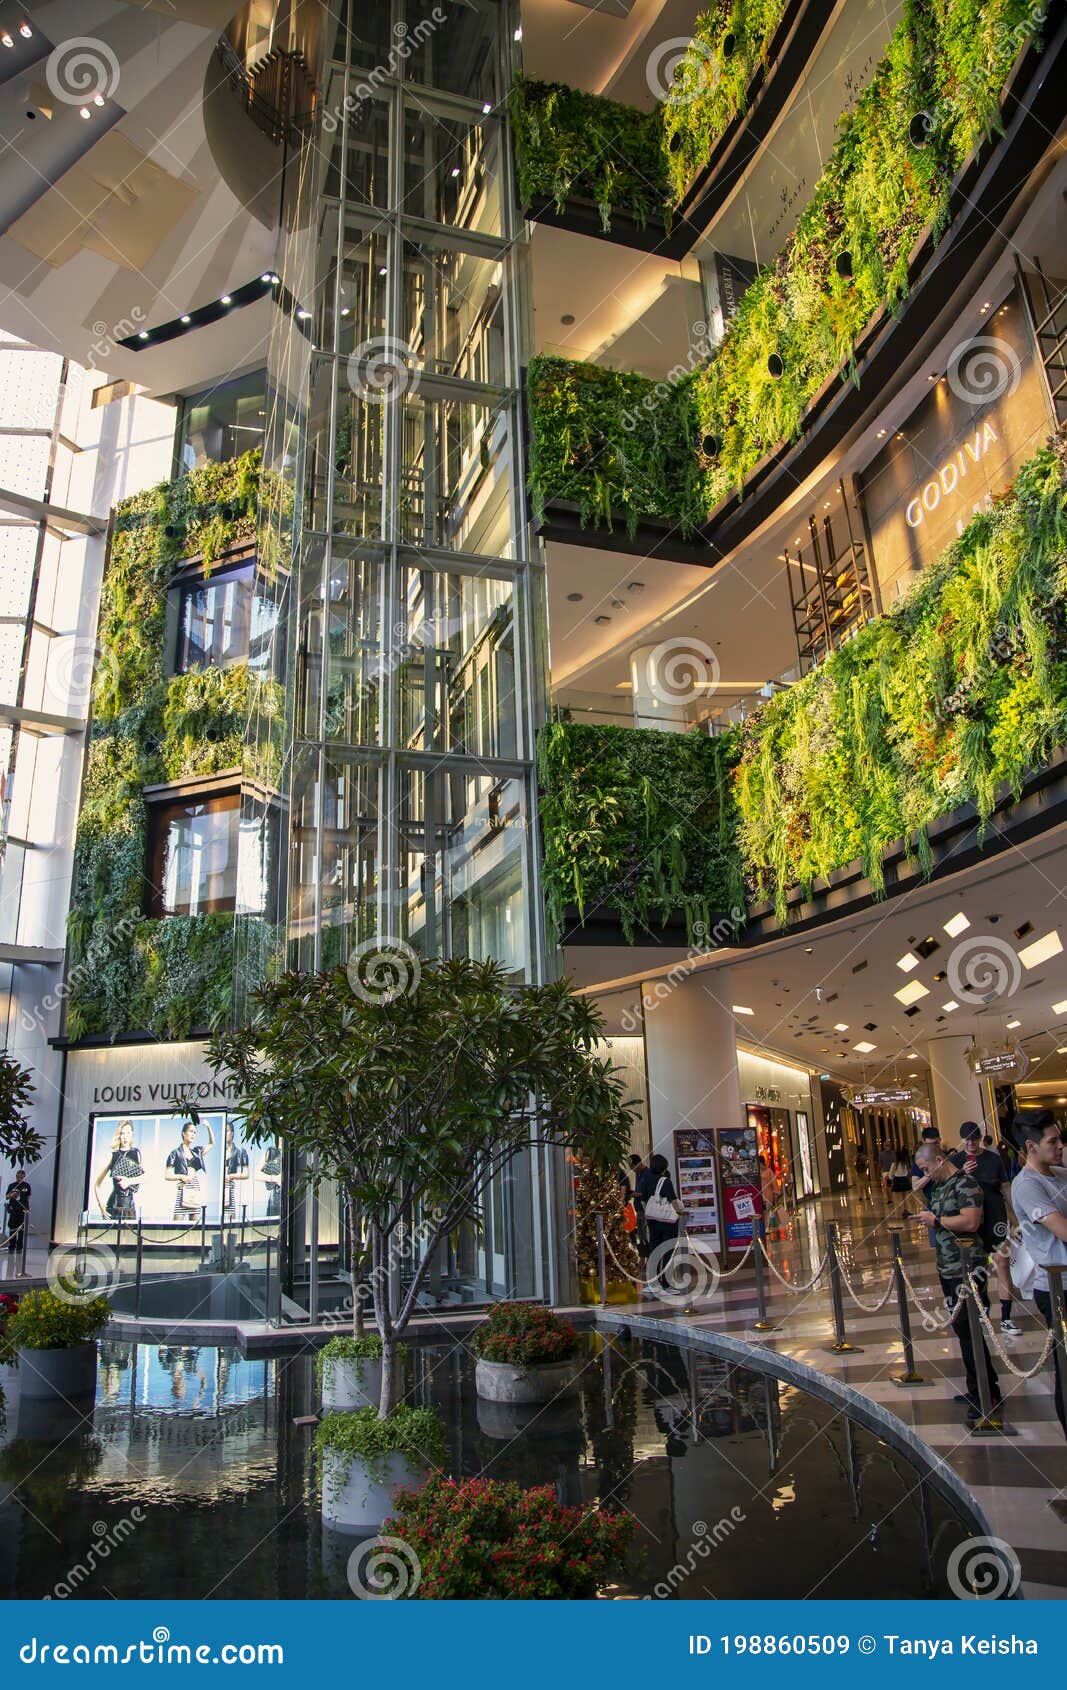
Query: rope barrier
{"x": 797, "y": 1290}
{"x": 868, "y": 1308}
{"x": 992, "y": 1339}
{"x": 927, "y": 1314}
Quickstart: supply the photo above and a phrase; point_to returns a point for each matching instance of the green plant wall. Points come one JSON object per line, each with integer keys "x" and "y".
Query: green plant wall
{"x": 128, "y": 972}
{"x": 598, "y": 437}
{"x": 960, "y": 689}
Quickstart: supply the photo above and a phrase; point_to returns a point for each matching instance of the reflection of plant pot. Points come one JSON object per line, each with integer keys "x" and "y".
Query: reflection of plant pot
{"x": 544, "y": 1422}
{"x": 354, "y": 1382}
{"x": 619, "y": 1290}
{"x": 357, "y": 1492}
{"x": 51, "y": 1375}
{"x": 502, "y": 1381}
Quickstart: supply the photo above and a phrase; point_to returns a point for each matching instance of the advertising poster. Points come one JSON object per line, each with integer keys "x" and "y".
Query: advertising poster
{"x": 158, "y": 1167}
{"x": 742, "y": 1202}
{"x": 253, "y": 1177}
{"x": 698, "y": 1187}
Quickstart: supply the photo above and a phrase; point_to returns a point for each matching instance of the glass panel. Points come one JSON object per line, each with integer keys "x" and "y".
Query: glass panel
{"x": 367, "y": 152}
{"x": 457, "y": 54}
{"x": 463, "y": 842}
{"x": 451, "y": 168}
{"x": 194, "y": 856}
{"x": 457, "y": 679}
{"x": 362, "y": 290}
{"x": 353, "y": 712}
{"x": 214, "y": 620}
{"x": 454, "y": 456}
{"x": 452, "y": 313}
{"x": 224, "y": 421}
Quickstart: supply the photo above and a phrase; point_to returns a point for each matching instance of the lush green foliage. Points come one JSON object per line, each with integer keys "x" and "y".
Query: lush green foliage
{"x": 959, "y": 689}
{"x": 366, "y": 1347}
{"x": 641, "y": 823}
{"x": 570, "y": 145}
{"x": 597, "y": 443}
{"x": 130, "y": 972}
{"x": 20, "y": 1144}
{"x": 525, "y": 1334}
{"x": 482, "y": 1539}
{"x": 44, "y": 1321}
{"x": 412, "y": 1085}
{"x": 367, "y": 1436}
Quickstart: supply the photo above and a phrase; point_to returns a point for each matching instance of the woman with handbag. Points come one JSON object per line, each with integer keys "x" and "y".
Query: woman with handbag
{"x": 187, "y": 1169}
{"x": 662, "y": 1214}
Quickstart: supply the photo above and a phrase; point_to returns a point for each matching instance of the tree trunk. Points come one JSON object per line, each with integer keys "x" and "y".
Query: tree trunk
{"x": 390, "y": 1382}
{"x": 380, "y": 1290}
{"x": 359, "y": 1324}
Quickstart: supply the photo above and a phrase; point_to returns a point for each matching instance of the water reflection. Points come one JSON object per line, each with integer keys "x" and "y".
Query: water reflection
{"x": 726, "y": 1472}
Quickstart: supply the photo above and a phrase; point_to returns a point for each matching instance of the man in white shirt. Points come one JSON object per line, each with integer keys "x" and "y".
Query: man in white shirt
{"x": 1039, "y": 1198}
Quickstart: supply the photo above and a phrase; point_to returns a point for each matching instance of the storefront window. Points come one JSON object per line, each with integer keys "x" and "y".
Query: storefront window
{"x": 223, "y": 421}
{"x": 194, "y": 855}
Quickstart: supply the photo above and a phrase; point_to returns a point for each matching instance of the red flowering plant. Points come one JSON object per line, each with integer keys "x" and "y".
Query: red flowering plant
{"x": 9, "y": 1305}
{"x": 482, "y": 1539}
{"x": 525, "y": 1334}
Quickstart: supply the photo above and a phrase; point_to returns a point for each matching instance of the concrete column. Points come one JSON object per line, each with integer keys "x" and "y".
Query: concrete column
{"x": 955, "y": 1093}
{"x": 662, "y": 677}
{"x": 691, "y": 1056}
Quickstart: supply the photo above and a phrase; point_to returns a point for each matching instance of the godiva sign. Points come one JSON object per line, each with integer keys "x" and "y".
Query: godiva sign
{"x": 951, "y": 478}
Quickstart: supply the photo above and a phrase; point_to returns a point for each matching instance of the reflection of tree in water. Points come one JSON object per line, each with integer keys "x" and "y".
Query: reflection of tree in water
{"x": 609, "y": 1412}
{"x": 41, "y": 1473}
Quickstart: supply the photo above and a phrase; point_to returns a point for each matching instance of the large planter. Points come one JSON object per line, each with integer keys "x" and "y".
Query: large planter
{"x": 357, "y": 1494}
{"x": 354, "y": 1382}
{"x": 502, "y": 1381}
{"x": 552, "y": 1424}
{"x": 58, "y": 1375}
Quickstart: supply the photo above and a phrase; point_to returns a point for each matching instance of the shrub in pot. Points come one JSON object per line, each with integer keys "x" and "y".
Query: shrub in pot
{"x": 54, "y": 1343}
{"x": 350, "y": 1370}
{"x": 480, "y": 1539}
{"x": 365, "y": 1458}
{"x": 526, "y": 1354}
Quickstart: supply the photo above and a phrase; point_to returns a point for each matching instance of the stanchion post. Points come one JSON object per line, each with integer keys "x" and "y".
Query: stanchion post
{"x": 138, "y": 1269}
{"x": 1059, "y": 1326}
{"x": 910, "y": 1375}
{"x": 601, "y": 1260}
{"x": 24, "y": 1242}
{"x": 761, "y": 1323}
{"x": 840, "y": 1345}
{"x": 988, "y": 1420}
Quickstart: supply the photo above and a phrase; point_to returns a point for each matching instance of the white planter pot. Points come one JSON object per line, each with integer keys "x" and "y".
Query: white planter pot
{"x": 51, "y": 1375}
{"x": 357, "y": 1496}
{"x": 351, "y": 1384}
{"x": 502, "y": 1381}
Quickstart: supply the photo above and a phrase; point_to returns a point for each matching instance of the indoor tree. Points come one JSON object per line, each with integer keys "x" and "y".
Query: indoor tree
{"x": 20, "y": 1144}
{"x": 414, "y": 1101}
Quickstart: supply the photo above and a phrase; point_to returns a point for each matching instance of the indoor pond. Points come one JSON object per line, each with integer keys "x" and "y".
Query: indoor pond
{"x": 193, "y": 1477}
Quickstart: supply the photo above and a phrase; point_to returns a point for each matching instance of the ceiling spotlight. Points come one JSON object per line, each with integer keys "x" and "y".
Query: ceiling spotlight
{"x": 25, "y": 31}
{"x": 85, "y": 112}
{"x": 487, "y": 108}
{"x": 98, "y": 99}
{"x": 575, "y": 598}
{"x": 383, "y": 270}
{"x": 186, "y": 318}
{"x": 266, "y": 276}
{"x": 303, "y": 313}
{"x": 346, "y": 310}
{"x": 226, "y": 300}
{"x": 601, "y": 619}
{"x": 881, "y": 434}
{"x": 6, "y": 39}
{"x": 635, "y": 586}
{"x": 143, "y": 335}
{"x": 455, "y": 171}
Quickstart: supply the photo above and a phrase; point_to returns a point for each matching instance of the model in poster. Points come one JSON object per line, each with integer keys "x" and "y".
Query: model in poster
{"x": 236, "y": 1171}
{"x": 271, "y": 1175}
{"x": 187, "y": 1169}
{"x": 125, "y": 1171}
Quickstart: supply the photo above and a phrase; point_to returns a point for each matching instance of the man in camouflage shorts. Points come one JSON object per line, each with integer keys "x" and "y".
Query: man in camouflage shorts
{"x": 955, "y": 1213}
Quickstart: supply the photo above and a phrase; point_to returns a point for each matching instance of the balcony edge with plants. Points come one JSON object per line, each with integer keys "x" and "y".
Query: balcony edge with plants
{"x": 955, "y": 696}
{"x": 129, "y": 972}
{"x": 623, "y": 449}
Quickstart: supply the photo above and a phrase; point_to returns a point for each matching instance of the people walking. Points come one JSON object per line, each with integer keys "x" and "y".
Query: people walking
{"x": 954, "y": 1213}
{"x": 1039, "y": 1198}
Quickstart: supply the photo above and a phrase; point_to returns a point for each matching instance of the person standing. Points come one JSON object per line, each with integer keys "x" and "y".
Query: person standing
{"x": 661, "y": 1198}
{"x": 988, "y": 1169}
{"x": 638, "y": 1167}
{"x": 1039, "y": 1197}
{"x": 955, "y": 1215}
{"x": 17, "y": 1209}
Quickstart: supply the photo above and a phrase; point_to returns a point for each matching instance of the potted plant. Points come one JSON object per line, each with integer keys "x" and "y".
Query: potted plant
{"x": 365, "y": 1460}
{"x": 413, "y": 1101}
{"x": 526, "y": 1354}
{"x": 54, "y": 1343}
{"x": 350, "y": 1371}
{"x": 485, "y": 1539}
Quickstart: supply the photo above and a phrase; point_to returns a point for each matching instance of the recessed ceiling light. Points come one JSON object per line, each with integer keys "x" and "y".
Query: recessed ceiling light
{"x": 881, "y": 434}
{"x": 382, "y": 270}
{"x": 1013, "y": 1024}
{"x": 1061, "y": 1050}
{"x": 950, "y": 1006}
{"x": 1060, "y": 1008}
{"x": 266, "y": 276}
{"x": 226, "y": 300}
{"x": 912, "y": 992}
{"x": 25, "y": 31}
{"x": 575, "y": 598}
{"x": 908, "y": 961}
{"x": 455, "y": 170}
{"x": 186, "y": 318}
{"x": 864, "y": 1046}
{"x": 85, "y": 112}
{"x": 635, "y": 586}
{"x": 959, "y": 924}
{"x": 486, "y": 108}
{"x": 143, "y": 335}
{"x": 7, "y": 40}
{"x": 1041, "y": 950}
{"x": 567, "y": 319}
{"x": 601, "y": 619}
{"x": 914, "y": 1075}
{"x": 840, "y": 1026}
{"x": 740, "y": 1009}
